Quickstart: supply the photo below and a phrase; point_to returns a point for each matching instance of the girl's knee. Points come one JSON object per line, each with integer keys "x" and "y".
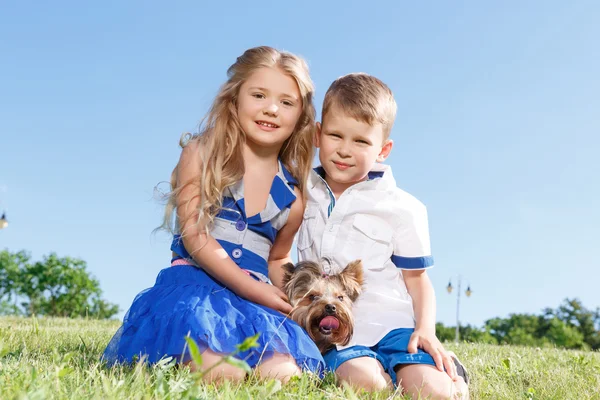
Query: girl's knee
{"x": 279, "y": 366}
{"x": 215, "y": 370}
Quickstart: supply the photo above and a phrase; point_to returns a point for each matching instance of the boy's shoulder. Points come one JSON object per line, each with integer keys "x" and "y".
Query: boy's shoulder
{"x": 380, "y": 188}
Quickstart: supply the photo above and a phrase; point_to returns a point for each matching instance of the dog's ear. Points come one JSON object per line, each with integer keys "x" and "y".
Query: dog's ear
{"x": 288, "y": 271}
{"x": 352, "y": 277}
{"x": 354, "y": 271}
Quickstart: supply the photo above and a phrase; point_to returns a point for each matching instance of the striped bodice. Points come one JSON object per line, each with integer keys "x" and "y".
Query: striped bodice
{"x": 248, "y": 239}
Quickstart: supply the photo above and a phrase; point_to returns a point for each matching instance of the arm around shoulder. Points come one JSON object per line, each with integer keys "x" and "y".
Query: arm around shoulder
{"x": 281, "y": 250}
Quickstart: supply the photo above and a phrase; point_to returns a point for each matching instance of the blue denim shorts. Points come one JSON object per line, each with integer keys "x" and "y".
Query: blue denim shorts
{"x": 391, "y": 351}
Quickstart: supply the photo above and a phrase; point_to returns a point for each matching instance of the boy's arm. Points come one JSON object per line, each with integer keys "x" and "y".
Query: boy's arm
{"x": 412, "y": 254}
{"x": 281, "y": 251}
{"x": 421, "y": 291}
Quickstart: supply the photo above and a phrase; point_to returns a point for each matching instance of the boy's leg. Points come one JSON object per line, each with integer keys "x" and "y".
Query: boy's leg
{"x": 416, "y": 372}
{"x": 426, "y": 381}
{"x": 364, "y": 373}
{"x": 358, "y": 366}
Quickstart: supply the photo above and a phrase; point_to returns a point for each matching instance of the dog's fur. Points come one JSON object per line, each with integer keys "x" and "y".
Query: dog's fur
{"x": 315, "y": 296}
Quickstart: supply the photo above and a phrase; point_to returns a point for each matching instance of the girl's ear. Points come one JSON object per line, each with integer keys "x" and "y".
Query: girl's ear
{"x": 317, "y": 141}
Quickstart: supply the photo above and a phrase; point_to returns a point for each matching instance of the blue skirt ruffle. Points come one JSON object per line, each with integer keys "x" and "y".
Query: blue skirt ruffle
{"x": 184, "y": 301}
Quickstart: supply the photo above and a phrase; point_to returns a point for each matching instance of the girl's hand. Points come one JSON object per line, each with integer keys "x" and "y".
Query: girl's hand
{"x": 269, "y": 296}
{"x": 429, "y": 342}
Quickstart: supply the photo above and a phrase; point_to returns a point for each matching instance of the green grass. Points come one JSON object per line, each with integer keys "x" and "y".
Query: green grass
{"x": 58, "y": 359}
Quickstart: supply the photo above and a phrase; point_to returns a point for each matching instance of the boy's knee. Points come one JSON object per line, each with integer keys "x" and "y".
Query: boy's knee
{"x": 436, "y": 385}
{"x": 364, "y": 373}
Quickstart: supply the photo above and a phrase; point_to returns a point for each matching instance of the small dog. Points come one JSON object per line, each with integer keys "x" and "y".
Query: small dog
{"x": 322, "y": 304}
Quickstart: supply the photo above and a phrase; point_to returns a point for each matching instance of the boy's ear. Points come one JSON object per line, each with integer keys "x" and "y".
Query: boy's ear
{"x": 385, "y": 150}
{"x": 317, "y": 137}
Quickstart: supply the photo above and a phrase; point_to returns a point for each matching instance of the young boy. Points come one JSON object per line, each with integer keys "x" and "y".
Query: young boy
{"x": 355, "y": 211}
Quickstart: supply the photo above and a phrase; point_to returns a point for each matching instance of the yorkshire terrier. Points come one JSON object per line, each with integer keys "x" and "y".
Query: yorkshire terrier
{"x": 322, "y": 304}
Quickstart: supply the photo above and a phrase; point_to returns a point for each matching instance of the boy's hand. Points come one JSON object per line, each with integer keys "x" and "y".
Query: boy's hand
{"x": 430, "y": 343}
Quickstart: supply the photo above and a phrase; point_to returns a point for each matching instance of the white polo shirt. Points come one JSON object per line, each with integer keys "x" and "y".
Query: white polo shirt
{"x": 380, "y": 224}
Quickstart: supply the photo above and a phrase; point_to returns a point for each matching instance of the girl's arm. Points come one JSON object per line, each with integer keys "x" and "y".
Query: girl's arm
{"x": 204, "y": 249}
{"x": 421, "y": 291}
{"x": 281, "y": 251}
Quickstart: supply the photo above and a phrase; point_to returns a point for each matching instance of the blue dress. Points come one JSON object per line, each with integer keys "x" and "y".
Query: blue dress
{"x": 185, "y": 300}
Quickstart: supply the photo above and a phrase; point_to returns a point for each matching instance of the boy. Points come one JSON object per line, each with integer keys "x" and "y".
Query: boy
{"x": 355, "y": 211}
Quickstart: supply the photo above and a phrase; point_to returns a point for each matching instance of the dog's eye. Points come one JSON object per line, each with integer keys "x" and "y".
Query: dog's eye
{"x": 341, "y": 298}
{"x": 312, "y": 297}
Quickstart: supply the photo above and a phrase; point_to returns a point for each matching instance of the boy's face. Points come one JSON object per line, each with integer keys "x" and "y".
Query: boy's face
{"x": 348, "y": 149}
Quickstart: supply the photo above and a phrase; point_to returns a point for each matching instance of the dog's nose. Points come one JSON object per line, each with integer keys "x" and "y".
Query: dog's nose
{"x": 330, "y": 309}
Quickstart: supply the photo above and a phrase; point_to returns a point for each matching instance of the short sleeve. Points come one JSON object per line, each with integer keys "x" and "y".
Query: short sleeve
{"x": 411, "y": 246}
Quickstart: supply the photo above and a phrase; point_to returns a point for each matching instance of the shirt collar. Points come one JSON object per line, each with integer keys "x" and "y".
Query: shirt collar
{"x": 380, "y": 174}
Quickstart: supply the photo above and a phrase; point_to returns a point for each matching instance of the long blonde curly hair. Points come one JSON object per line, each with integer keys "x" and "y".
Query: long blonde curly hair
{"x": 221, "y": 137}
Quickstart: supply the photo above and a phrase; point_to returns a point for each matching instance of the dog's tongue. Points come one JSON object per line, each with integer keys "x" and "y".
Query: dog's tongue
{"x": 329, "y": 323}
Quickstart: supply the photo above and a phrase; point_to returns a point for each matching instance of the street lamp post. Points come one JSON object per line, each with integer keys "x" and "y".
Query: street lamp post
{"x": 468, "y": 294}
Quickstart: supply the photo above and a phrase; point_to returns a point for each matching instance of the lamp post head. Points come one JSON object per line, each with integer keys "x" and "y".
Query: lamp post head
{"x": 449, "y": 287}
{"x": 3, "y": 221}
{"x": 468, "y": 291}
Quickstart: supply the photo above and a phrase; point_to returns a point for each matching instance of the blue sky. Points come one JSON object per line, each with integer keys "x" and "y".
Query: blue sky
{"x": 497, "y": 130}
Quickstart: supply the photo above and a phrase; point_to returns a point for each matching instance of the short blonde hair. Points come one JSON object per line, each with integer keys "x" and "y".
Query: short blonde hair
{"x": 363, "y": 97}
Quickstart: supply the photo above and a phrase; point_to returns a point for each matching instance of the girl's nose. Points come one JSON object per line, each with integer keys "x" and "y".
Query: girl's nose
{"x": 271, "y": 109}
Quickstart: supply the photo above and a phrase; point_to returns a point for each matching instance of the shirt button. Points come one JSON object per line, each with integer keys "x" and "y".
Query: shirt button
{"x": 374, "y": 231}
{"x": 240, "y": 225}
{"x": 236, "y": 253}
{"x": 331, "y": 228}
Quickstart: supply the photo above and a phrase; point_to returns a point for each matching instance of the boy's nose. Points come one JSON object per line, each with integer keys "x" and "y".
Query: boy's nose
{"x": 343, "y": 151}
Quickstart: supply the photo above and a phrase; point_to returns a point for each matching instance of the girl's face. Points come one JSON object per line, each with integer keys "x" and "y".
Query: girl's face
{"x": 269, "y": 105}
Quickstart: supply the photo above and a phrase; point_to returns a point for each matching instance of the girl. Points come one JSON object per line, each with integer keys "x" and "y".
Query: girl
{"x": 237, "y": 201}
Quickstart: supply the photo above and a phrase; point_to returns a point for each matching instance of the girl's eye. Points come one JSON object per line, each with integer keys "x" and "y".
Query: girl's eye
{"x": 341, "y": 298}
{"x": 258, "y": 95}
{"x": 288, "y": 103}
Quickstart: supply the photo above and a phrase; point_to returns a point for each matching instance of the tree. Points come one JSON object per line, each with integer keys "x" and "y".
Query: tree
{"x": 54, "y": 286}
{"x": 10, "y": 279}
{"x": 576, "y": 316}
{"x": 562, "y": 335}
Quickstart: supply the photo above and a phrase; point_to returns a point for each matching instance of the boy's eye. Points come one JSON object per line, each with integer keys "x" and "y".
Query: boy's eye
{"x": 341, "y": 298}
{"x": 335, "y": 135}
{"x": 362, "y": 142}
